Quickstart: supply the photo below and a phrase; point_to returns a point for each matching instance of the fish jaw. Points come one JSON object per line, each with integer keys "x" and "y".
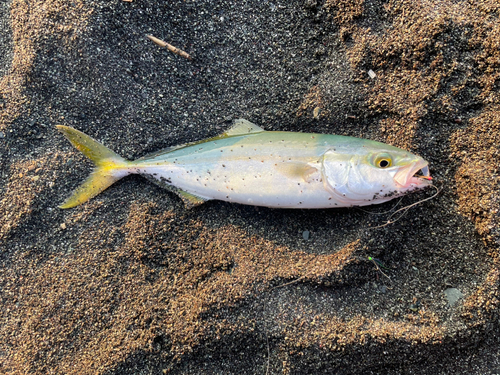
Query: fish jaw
{"x": 405, "y": 176}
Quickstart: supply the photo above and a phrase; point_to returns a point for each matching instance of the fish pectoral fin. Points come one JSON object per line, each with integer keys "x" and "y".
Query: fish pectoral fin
{"x": 190, "y": 200}
{"x": 297, "y": 170}
{"x": 242, "y": 127}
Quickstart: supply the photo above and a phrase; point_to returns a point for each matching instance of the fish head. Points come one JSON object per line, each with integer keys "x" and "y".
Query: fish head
{"x": 372, "y": 172}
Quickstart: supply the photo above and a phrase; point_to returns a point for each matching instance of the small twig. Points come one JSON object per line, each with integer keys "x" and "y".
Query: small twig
{"x": 291, "y": 282}
{"x": 374, "y": 261}
{"x": 170, "y": 47}
{"x": 378, "y": 268}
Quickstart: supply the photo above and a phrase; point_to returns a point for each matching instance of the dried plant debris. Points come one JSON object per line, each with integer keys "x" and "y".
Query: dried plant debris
{"x": 170, "y": 47}
{"x": 134, "y": 283}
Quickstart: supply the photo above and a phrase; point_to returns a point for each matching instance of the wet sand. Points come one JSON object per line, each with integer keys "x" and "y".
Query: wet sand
{"x": 133, "y": 283}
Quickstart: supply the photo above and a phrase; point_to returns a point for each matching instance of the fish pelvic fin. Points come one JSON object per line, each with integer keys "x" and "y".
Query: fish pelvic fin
{"x": 110, "y": 167}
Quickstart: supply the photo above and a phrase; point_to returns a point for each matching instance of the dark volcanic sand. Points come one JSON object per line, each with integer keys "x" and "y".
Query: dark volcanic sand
{"x": 133, "y": 283}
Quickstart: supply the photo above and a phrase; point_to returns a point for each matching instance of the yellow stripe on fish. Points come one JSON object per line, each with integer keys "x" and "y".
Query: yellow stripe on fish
{"x": 248, "y": 165}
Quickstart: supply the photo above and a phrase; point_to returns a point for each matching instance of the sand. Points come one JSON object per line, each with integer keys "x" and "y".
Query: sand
{"x": 133, "y": 283}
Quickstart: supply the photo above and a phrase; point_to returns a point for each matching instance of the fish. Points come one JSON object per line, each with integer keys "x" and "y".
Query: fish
{"x": 252, "y": 166}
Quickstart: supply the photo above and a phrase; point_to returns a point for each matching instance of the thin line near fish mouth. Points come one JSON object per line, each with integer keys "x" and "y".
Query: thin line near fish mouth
{"x": 417, "y": 173}
{"x": 425, "y": 173}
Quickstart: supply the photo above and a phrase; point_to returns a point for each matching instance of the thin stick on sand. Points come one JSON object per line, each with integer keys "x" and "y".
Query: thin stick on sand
{"x": 170, "y": 47}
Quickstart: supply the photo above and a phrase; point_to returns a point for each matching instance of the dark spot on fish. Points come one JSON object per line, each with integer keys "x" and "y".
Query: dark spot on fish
{"x": 223, "y": 166}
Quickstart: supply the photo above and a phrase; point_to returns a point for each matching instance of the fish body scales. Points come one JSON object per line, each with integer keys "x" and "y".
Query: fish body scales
{"x": 265, "y": 169}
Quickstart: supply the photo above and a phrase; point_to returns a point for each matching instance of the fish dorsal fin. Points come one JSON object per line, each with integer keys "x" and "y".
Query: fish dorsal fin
{"x": 242, "y": 127}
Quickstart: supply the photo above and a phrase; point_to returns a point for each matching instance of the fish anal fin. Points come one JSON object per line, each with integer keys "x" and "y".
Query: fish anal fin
{"x": 190, "y": 200}
{"x": 297, "y": 170}
{"x": 242, "y": 127}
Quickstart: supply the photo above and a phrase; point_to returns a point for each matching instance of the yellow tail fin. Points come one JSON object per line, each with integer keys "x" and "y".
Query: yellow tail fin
{"x": 110, "y": 167}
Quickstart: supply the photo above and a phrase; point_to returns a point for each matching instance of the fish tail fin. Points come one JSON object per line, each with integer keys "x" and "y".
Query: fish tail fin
{"x": 110, "y": 167}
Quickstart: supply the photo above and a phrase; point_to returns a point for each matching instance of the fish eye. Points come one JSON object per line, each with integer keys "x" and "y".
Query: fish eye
{"x": 383, "y": 161}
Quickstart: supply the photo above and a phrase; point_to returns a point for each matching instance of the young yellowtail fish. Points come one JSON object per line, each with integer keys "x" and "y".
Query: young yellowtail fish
{"x": 249, "y": 165}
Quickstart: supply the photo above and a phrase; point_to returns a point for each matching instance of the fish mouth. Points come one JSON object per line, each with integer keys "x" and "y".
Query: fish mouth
{"x": 414, "y": 174}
